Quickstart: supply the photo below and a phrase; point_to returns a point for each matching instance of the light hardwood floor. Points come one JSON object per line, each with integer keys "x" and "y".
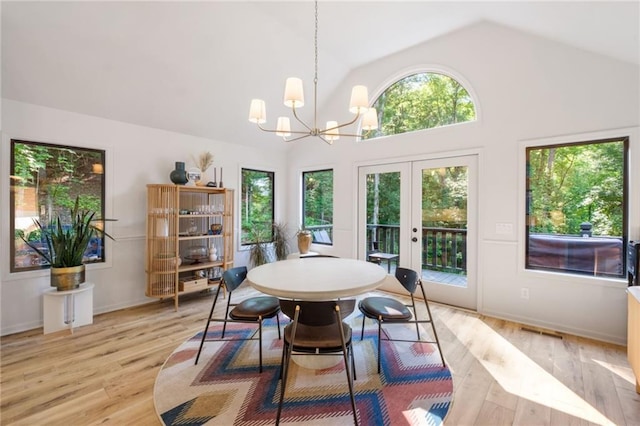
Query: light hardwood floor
{"x": 104, "y": 373}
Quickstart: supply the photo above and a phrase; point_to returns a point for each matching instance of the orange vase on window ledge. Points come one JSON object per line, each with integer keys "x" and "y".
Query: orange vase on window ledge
{"x": 304, "y": 241}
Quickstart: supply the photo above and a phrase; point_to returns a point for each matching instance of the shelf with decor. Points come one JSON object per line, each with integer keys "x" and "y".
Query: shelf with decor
{"x": 189, "y": 240}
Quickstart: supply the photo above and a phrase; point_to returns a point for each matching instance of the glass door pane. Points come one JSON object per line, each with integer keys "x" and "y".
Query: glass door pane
{"x": 444, "y": 225}
{"x": 383, "y": 218}
{"x": 443, "y": 231}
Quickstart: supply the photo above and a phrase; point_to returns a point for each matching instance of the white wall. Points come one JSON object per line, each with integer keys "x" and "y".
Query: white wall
{"x": 526, "y": 88}
{"x": 136, "y": 156}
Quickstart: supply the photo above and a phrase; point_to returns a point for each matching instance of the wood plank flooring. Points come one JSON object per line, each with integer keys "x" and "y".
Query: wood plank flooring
{"x": 104, "y": 373}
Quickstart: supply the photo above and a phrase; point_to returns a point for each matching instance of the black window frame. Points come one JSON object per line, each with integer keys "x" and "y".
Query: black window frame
{"x": 625, "y": 210}
{"x": 316, "y": 235}
{"x": 98, "y": 168}
{"x": 271, "y": 176}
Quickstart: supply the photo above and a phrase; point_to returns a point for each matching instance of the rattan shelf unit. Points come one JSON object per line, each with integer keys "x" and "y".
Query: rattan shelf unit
{"x": 184, "y": 224}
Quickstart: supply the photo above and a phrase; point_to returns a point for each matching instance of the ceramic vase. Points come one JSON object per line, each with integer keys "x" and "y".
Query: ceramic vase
{"x": 304, "y": 241}
{"x": 213, "y": 253}
{"x": 179, "y": 176}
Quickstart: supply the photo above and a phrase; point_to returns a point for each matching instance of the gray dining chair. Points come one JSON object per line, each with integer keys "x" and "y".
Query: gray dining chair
{"x": 389, "y": 311}
{"x": 252, "y": 310}
{"x": 317, "y": 329}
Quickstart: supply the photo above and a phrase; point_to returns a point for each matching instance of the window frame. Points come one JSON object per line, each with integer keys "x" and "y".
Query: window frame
{"x": 367, "y": 136}
{"x": 303, "y": 209}
{"x": 271, "y": 175}
{"x": 101, "y": 170}
{"x": 576, "y": 140}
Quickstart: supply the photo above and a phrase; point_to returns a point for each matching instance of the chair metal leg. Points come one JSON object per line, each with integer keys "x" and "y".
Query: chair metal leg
{"x": 285, "y": 364}
{"x": 364, "y": 317}
{"x": 379, "y": 341}
{"x": 346, "y": 367}
{"x": 284, "y": 347}
{"x": 226, "y": 317}
{"x": 415, "y": 313}
{"x": 353, "y": 362}
{"x": 206, "y": 329}
{"x": 260, "y": 341}
{"x": 278, "y": 321}
{"x": 435, "y": 333}
{"x": 433, "y": 325}
{"x": 284, "y": 372}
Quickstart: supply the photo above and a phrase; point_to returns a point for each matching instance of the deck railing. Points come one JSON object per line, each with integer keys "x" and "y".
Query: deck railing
{"x": 444, "y": 249}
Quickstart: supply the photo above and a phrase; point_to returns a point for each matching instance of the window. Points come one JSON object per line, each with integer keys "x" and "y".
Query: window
{"x": 421, "y": 101}
{"x": 317, "y": 205}
{"x": 256, "y": 206}
{"x": 45, "y": 181}
{"x": 577, "y": 207}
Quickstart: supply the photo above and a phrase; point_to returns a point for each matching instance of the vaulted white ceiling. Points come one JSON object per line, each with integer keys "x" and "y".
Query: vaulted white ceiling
{"x": 193, "y": 67}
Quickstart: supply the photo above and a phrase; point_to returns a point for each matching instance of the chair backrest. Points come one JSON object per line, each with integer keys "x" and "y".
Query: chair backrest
{"x": 408, "y": 278}
{"x": 234, "y": 277}
{"x": 317, "y": 313}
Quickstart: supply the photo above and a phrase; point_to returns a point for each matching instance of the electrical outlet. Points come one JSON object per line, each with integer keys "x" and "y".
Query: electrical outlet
{"x": 524, "y": 293}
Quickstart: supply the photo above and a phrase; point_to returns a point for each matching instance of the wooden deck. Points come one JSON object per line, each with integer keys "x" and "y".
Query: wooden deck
{"x": 439, "y": 277}
{"x": 444, "y": 278}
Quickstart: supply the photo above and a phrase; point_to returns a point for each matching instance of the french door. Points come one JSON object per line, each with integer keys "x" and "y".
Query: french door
{"x": 425, "y": 213}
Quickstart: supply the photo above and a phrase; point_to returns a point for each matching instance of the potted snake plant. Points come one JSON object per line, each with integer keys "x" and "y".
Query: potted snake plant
{"x": 66, "y": 244}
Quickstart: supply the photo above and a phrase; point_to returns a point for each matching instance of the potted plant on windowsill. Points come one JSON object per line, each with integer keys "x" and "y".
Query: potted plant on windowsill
{"x": 66, "y": 245}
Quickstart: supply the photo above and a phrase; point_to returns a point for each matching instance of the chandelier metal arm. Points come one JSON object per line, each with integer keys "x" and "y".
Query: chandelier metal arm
{"x": 293, "y": 95}
{"x": 295, "y": 115}
{"x": 341, "y": 125}
{"x": 299, "y": 132}
{"x": 306, "y": 135}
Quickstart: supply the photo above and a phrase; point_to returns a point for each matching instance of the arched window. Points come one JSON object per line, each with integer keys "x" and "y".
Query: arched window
{"x": 421, "y": 101}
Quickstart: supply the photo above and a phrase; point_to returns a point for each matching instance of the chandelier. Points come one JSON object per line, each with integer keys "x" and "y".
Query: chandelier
{"x": 294, "y": 99}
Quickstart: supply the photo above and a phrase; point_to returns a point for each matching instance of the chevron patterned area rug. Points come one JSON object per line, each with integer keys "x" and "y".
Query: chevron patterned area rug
{"x": 225, "y": 388}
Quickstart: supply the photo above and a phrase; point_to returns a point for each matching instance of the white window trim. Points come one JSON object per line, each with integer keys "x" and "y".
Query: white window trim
{"x": 633, "y": 202}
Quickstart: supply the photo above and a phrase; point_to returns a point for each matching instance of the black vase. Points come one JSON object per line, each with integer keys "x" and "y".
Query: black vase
{"x": 179, "y": 175}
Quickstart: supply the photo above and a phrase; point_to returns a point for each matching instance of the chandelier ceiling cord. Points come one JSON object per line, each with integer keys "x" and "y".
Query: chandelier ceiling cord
{"x": 294, "y": 98}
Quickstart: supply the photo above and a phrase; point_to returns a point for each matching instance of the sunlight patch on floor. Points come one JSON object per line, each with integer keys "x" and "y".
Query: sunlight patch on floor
{"x": 622, "y": 372}
{"x": 520, "y": 375}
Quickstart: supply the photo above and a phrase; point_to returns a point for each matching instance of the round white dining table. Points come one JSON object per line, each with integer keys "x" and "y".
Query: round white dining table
{"x": 316, "y": 278}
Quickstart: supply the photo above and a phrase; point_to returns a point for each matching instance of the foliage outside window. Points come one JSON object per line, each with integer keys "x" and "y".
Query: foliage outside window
{"x": 256, "y": 206}
{"x": 421, "y": 101}
{"x": 45, "y": 181}
{"x": 317, "y": 202}
{"x": 577, "y": 207}
{"x": 383, "y": 212}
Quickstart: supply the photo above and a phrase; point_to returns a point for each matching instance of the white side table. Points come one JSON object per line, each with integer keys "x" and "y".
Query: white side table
{"x": 68, "y": 309}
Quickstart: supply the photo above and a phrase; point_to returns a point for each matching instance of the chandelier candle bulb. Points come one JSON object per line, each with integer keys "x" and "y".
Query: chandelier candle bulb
{"x": 359, "y": 100}
{"x": 293, "y": 93}
{"x": 332, "y": 132}
{"x": 284, "y": 127}
{"x": 257, "y": 111}
{"x": 370, "y": 120}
